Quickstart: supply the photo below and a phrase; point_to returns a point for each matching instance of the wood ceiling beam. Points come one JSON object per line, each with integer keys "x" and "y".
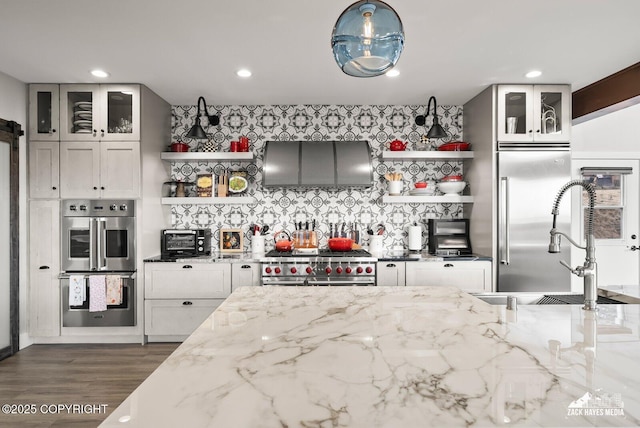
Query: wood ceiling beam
{"x": 618, "y": 87}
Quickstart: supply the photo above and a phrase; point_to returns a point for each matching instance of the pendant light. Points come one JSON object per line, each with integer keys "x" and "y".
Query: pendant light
{"x": 436, "y": 131}
{"x": 196, "y": 130}
{"x": 367, "y": 39}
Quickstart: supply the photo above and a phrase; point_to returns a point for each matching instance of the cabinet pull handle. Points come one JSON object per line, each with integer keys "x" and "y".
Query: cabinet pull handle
{"x": 95, "y": 188}
{"x": 448, "y": 265}
{"x": 102, "y": 188}
{"x": 391, "y": 265}
{"x": 187, "y": 303}
{"x": 54, "y": 187}
{"x": 102, "y": 132}
{"x": 187, "y": 267}
{"x": 95, "y": 132}
{"x": 245, "y": 267}
{"x": 43, "y": 267}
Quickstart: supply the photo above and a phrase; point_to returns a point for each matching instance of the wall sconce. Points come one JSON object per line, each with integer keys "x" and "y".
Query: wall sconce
{"x": 436, "y": 131}
{"x": 367, "y": 39}
{"x": 196, "y": 130}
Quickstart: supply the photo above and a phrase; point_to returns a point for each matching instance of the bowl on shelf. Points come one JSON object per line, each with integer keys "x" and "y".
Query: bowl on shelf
{"x": 452, "y": 178}
{"x": 454, "y": 146}
{"x": 420, "y": 185}
{"x": 451, "y": 187}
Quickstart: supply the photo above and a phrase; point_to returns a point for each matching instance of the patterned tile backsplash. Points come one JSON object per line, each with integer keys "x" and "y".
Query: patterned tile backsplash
{"x": 281, "y": 208}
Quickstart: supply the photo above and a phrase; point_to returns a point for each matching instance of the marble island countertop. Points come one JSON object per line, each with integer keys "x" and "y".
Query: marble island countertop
{"x": 394, "y": 357}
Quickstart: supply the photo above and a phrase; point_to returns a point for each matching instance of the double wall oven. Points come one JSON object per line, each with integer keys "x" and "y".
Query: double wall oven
{"x": 323, "y": 267}
{"x": 98, "y": 238}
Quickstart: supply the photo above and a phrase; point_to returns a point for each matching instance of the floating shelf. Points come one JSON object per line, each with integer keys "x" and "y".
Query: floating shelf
{"x": 231, "y": 200}
{"x": 427, "y": 155}
{"x": 206, "y": 156}
{"x": 444, "y": 199}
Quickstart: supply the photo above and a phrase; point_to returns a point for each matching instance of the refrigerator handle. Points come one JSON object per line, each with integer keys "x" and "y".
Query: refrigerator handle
{"x": 101, "y": 226}
{"x": 93, "y": 248}
{"x": 505, "y": 242}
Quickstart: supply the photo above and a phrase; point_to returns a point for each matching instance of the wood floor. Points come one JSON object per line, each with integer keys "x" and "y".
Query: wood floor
{"x": 48, "y": 375}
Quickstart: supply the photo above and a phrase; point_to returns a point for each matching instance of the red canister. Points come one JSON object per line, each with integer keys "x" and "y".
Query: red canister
{"x": 243, "y": 144}
{"x": 235, "y": 146}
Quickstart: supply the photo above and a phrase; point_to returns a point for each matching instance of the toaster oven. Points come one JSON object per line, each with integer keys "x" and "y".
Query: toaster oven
{"x": 180, "y": 243}
{"x": 449, "y": 237}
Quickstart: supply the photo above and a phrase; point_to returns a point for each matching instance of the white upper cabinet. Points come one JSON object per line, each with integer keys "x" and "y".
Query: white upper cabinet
{"x": 44, "y": 113}
{"x": 44, "y": 166}
{"x": 534, "y": 113}
{"x": 103, "y": 170}
{"x": 100, "y": 112}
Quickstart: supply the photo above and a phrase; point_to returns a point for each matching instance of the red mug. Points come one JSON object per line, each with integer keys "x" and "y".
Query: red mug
{"x": 235, "y": 146}
{"x": 243, "y": 144}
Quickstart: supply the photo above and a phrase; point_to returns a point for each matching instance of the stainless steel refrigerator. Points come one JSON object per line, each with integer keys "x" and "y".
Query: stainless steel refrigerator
{"x": 528, "y": 181}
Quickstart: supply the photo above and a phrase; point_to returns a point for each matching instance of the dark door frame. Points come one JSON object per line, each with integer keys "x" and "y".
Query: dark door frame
{"x": 10, "y": 132}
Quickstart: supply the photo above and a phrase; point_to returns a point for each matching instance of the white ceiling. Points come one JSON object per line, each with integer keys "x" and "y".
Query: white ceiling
{"x": 186, "y": 48}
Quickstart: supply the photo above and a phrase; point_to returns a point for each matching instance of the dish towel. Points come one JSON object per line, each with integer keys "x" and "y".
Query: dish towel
{"x": 97, "y": 293}
{"x": 114, "y": 290}
{"x": 77, "y": 290}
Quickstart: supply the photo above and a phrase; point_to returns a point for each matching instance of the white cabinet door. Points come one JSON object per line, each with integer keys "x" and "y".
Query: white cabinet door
{"x": 44, "y": 112}
{"x": 80, "y": 113}
{"x": 79, "y": 170}
{"x": 44, "y": 165}
{"x": 245, "y": 274}
{"x": 540, "y": 113}
{"x": 471, "y": 276}
{"x": 119, "y": 169}
{"x": 187, "y": 280}
{"x": 176, "y": 317}
{"x": 100, "y": 112}
{"x": 99, "y": 170}
{"x": 44, "y": 267}
{"x": 390, "y": 274}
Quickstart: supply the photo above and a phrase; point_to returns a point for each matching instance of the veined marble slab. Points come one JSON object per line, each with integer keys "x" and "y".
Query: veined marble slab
{"x": 394, "y": 357}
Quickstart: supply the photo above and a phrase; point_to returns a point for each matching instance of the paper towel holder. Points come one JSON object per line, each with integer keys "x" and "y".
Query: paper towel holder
{"x": 414, "y": 238}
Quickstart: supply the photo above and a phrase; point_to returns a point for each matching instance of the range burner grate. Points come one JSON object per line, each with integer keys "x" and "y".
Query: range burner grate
{"x": 321, "y": 253}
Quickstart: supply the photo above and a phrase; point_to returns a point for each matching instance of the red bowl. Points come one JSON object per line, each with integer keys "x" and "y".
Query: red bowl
{"x": 454, "y": 146}
{"x": 420, "y": 185}
{"x": 340, "y": 244}
{"x": 452, "y": 178}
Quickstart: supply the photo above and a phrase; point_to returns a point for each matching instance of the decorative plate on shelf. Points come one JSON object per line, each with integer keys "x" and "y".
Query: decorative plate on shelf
{"x": 454, "y": 146}
{"x": 238, "y": 184}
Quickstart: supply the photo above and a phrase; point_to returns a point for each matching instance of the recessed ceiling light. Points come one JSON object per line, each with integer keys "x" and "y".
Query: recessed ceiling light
{"x": 392, "y": 73}
{"x": 243, "y": 72}
{"x": 533, "y": 73}
{"x": 99, "y": 73}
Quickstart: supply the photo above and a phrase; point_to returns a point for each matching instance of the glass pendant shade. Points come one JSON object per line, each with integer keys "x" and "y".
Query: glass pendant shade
{"x": 367, "y": 39}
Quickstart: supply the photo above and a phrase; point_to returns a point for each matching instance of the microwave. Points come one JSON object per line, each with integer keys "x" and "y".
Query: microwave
{"x": 449, "y": 237}
{"x": 179, "y": 243}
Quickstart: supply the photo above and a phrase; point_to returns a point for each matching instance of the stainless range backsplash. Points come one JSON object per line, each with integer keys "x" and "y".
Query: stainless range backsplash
{"x": 281, "y": 208}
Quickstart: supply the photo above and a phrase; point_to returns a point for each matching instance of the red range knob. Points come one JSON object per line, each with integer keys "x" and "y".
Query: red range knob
{"x": 348, "y": 269}
{"x": 278, "y": 270}
{"x": 369, "y": 269}
{"x": 359, "y": 270}
{"x": 339, "y": 269}
{"x": 308, "y": 269}
{"x": 294, "y": 270}
{"x": 328, "y": 269}
{"x": 267, "y": 270}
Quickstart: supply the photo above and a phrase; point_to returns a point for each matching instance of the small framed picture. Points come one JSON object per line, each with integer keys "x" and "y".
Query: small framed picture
{"x": 231, "y": 241}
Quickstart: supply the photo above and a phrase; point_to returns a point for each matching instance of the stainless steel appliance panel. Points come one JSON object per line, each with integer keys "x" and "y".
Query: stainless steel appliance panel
{"x": 353, "y": 163}
{"x": 528, "y": 183}
{"x": 114, "y": 316}
{"x": 98, "y": 236}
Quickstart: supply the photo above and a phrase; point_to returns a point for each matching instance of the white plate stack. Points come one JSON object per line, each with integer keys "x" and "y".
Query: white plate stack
{"x": 426, "y": 191}
{"x": 82, "y": 117}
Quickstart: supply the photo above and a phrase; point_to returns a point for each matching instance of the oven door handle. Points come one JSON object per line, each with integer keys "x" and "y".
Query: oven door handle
{"x": 101, "y": 226}
{"x": 93, "y": 244}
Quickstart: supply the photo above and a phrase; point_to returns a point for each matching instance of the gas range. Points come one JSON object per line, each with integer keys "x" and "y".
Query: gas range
{"x": 355, "y": 267}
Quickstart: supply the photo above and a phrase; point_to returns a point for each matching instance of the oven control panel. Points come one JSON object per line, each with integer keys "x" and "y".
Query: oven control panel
{"x": 303, "y": 269}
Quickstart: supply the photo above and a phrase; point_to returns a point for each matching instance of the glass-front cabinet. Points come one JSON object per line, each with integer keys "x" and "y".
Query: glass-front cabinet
{"x": 540, "y": 113}
{"x": 44, "y": 113}
{"x": 100, "y": 112}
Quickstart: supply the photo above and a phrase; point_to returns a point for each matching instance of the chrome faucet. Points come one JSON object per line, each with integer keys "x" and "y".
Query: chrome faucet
{"x": 589, "y": 270}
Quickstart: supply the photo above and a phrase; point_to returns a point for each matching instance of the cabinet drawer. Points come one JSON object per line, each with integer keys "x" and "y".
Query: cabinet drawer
{"x": 466, "y": 275}
{"x": 185, "y": 280}
{"x": 390, "y": 274}
{"x": 176, "y": 316}
{"x": 245, "y": 274}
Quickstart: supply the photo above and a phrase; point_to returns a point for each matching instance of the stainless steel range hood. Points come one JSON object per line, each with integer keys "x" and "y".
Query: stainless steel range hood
{"x": 317, "y": 164}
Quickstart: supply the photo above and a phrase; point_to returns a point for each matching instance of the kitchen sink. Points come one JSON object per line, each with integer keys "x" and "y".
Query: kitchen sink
{"x": 542, "y": 299}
